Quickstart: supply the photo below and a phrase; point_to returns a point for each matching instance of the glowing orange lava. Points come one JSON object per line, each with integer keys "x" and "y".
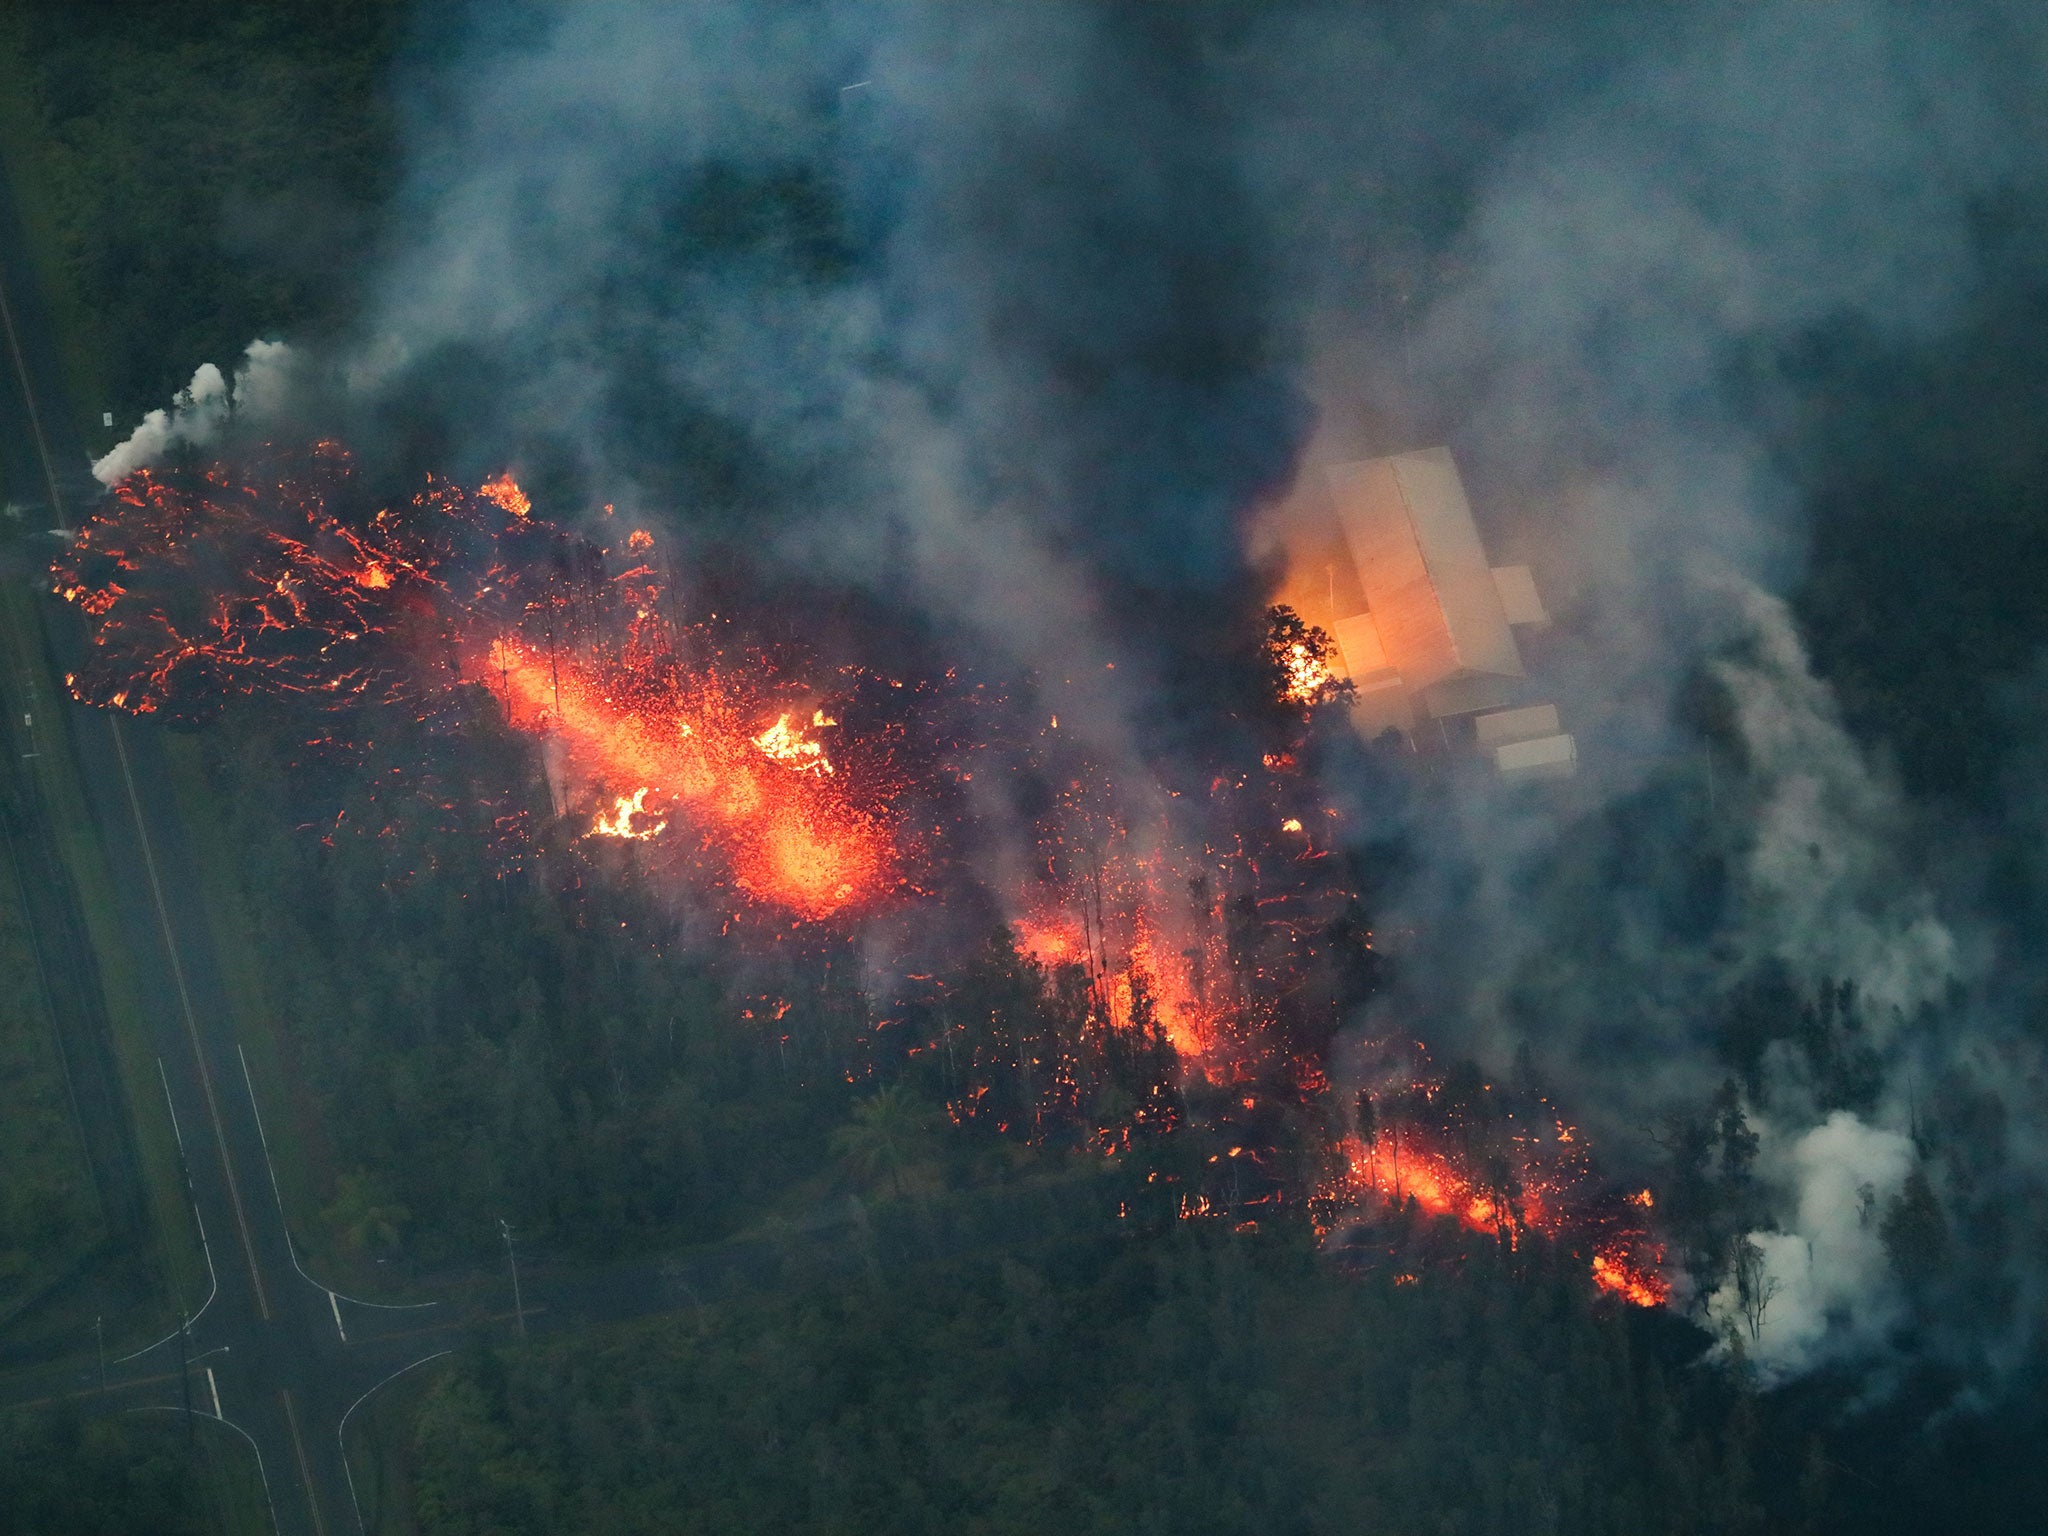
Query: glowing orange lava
{"x": 1049, "y": 942}
{"x": 275, "y": 578}
{"x": 788, "y": 837}
{"x": 1405, "y": 1168}
{"x": 791, "y": 747}
{"x": 1121, "y": 951}
{"x": 1536, "y": 1183}
{"x": 1616, "y": 1272}
{"x": 272, "y": 578}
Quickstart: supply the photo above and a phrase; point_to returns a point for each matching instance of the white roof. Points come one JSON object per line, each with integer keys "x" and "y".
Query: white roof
{"x": 1545, "y": 757}
{"x": 1433, "y": 596}
{"x": 1524, "y": 724}
{"x": 1518, "y": 600}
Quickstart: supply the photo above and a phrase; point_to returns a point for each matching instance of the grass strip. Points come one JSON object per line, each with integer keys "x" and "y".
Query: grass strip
{"x": 184, "y": 1264}
{"x": 291, "y": 1117}
{"x": 256, "y": 1025}
{"x": 379, "y": 1448}
{"x": 51, "y": 1215}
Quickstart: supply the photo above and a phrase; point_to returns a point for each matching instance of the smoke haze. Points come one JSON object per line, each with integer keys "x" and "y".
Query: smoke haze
{"x": 1017, "y": 315}
{"x": 1707, "y": 196}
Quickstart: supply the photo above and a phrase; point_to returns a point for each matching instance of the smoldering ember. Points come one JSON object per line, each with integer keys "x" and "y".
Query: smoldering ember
{"x": 1064, "y": 767}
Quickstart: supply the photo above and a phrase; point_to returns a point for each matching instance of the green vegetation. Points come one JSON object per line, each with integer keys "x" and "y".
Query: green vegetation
{"x": 380, "y": 1451}
{"x": 487, "y": 1028}
{"x": 132, "y": 1476}
{"x": 297, "y": 1144}
{"x": 201, "y": 174}
{"x": 135, "y": 1474}
{"x": 1927, "y": 475}
{"x": 457, "y": 1013}
{"x": 175, "y": 1264}
{"x": 484, "y": 1016}
{"x": 23, "y": 146}
{"x": 1092, "y": 1382}
{"x": 49, "y": 1215}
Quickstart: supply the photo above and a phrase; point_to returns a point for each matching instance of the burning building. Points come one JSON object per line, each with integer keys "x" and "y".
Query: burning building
{"x": 1384, "y": 555}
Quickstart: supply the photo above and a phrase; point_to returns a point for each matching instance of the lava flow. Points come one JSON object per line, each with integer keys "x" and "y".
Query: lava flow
{"x": 1206, "y": 948}
{"x": 688, "y": 744}
{"x": 1111, "y": 926}
{"x": 198, "y": 586}
{"x": 1494, "y": 1161}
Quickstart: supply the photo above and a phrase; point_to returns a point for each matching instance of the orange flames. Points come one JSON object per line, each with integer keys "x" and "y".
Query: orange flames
{"x": 1407, "y": 1167}
{"x": 794, "y": 749}
{"x": 1050, "y": 942}
{"x": 1307, "y": 675}
{"x": 300, "y": 596}
{"x": 1616, "y": 1271}
{"x": 504, "y": 490}
{"x": 1114, "y": 930}
{"x": 1301, "y": 656}
{"x": 625, "y": 811}
{"x": 1539, "y": 1182}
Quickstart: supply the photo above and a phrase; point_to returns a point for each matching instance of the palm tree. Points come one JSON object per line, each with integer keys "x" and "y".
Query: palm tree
{"x": 889, "y": 1133}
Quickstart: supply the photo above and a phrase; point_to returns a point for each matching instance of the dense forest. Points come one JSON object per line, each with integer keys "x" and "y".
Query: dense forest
{"x": 1097, "y": 1381}
{"x": 60, "y": 1473}
{"x": 495, "y": 1019}
{"x": 487, "y": 1019}
{"x": 1926, "y": 623}
{"x": 204, "y": 175}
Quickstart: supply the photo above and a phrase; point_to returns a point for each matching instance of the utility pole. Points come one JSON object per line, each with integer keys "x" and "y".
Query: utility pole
{"x": 511, "y": 1258}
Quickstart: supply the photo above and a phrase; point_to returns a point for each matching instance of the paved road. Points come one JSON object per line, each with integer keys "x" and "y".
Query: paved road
{"x": 279, "y": 1358}
{"x": 32, "y": 866}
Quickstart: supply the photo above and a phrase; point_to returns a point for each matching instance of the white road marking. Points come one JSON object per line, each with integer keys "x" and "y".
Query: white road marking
{"x": 341, "y": 1430}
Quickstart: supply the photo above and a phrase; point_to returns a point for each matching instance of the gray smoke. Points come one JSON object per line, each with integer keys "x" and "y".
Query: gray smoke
{"x": 1016, "y": 313}
{"x": 1757, "y": 172}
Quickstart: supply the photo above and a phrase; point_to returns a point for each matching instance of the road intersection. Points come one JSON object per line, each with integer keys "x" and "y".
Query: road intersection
{"x": 270, "y": 1353}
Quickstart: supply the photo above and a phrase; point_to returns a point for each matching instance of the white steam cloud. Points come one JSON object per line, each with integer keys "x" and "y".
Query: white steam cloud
{"x": 201, "y": 411}
{"x": 1823, "y": 1286}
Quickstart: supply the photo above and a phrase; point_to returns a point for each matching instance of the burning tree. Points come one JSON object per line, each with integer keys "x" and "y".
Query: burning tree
{"x": 1302, "y": 660}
